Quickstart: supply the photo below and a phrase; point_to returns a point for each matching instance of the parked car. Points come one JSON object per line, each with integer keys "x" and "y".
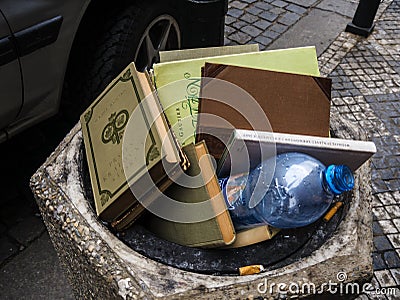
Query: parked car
{"x": 63, "y": 53}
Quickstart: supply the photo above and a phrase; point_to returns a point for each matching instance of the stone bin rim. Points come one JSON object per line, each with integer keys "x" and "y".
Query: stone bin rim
{"x": 98, "y": 264}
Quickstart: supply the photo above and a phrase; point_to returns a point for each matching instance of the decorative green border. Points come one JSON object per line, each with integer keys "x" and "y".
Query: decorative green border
{"x": 105, "y": 195}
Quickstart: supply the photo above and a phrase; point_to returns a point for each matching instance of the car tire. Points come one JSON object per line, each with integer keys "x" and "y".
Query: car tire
{"x": 103, "y": 49}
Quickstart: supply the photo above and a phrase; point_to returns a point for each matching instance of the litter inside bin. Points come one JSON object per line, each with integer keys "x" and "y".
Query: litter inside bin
{"x": 285, "y": 248}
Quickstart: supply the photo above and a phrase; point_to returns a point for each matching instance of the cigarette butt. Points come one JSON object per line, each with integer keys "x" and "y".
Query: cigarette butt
{"x": 250, "y": 270}
{"x": 332, "y": 211}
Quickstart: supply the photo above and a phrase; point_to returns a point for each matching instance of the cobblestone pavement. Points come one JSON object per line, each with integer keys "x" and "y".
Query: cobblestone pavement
{"x": 366, "y": 89}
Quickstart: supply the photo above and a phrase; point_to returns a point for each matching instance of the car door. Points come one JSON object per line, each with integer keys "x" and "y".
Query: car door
{"x": 10, "y": 76}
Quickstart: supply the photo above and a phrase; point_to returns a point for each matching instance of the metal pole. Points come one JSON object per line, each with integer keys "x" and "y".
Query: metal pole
{"x": 363, "y": 20}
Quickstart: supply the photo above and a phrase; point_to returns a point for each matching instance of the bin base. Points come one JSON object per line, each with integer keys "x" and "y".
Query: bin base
{"x": 365, "y": 32}
{"x": 99, "y": 265}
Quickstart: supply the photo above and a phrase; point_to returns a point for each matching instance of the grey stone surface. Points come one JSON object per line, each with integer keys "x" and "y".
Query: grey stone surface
{"x": 319, "y": 28}
{"x": 35, "y": 274}
{"x": 27, "y": 230}
{"x": 342, "y": 7}
{"x": 7, "y": 248}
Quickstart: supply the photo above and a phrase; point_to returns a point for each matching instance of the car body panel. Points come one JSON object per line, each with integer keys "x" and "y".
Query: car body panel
{"x": 10, "y": 83}
{"x": 43, "y": 70}
{"x": 34, "y": 81}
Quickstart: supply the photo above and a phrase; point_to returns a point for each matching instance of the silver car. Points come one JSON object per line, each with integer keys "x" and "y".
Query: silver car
{"x": 57, "y": 53}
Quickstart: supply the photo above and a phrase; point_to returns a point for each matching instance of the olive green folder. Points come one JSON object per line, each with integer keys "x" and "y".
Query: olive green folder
{"x": 214, "y": 232}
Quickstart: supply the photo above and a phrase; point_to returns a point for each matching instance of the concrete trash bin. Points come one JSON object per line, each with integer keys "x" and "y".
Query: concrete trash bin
{"x": 99, "y": 265}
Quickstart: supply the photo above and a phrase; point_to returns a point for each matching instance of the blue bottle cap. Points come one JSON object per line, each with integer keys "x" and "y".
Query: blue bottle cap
{"x": 339, "y": 178}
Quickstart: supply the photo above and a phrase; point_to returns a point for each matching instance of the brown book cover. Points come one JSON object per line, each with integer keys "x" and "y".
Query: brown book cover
{"x": 128, "y": 145}
{"x": 292, "y": 103}
{"x": 212, "y": 232}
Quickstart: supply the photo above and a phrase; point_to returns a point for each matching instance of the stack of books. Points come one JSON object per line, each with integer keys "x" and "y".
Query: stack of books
{"x": 158, "y": 141}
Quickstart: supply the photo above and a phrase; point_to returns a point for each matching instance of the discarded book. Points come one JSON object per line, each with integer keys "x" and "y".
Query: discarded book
{"x": 247, "y": 148}
{"x": 178, "y": 82}
{"x": 203, "y": 194}
{"x": 260, "y": 100}
{"x": 128, "y": 147}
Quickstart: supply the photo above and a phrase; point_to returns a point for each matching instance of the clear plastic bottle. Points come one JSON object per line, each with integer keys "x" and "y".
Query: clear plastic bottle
{"x": 300, "y": 192}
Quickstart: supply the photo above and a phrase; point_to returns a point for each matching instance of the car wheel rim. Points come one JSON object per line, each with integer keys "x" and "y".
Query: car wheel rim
{"x": 161, "y": 34}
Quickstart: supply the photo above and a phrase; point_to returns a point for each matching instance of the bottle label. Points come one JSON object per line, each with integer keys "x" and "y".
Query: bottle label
{"x": 232, "y": 188}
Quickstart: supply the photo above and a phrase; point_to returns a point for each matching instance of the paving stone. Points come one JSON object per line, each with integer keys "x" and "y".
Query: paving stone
{"x": 251, "y": 30}
{"x": 249, "y": 18}
{"x": 262, "y": 24}
{"x": 385, "y": 278}
{"x": 240, "y": 37}
{"x": 279, "y": 3}
{"x": 381, "y": 213}
{"x": 271, "y": 34}
{"x": 7, "y": 248}
{"x": 393, "y": 210}
{"x": 396, "y": 275}
{"x": 263, "y": 5}
{"x": 229, "y": 30}
{"x": 239, "y": 24}
{"x": 392, "y": 259}
{"x": 229, "y": 20}
{"x": 296, "y": 8}
{"x": 254, "y": 10}
{"x": 378, "y": 262}
{"x": 395, "y": 240}
{"x": 228, "y": 42}
{"x": 289, "y": 19}
{"x": 396, "y": 223}
{"x": 277, "y": 10}
{"x": 278, "y": 28}
{"x": 268, "y": 16}
{"x": 263, "y": 40}
{"x": 237, "y": 4}
{"x": 379, "y": 186}
{"x": 27, "y": 230}
{"x": 393, "y": 184}
{"x": 249, "y": 1}
{"x": 376, "y": 229}
{"x": 382, "y": 243}
{"x": 387, "y": 226}
{"x": 234, "y": 12}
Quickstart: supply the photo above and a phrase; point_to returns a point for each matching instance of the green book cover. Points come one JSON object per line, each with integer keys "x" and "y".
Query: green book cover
{"x": 178, "y": 82}
{"x": 214, "y": 232}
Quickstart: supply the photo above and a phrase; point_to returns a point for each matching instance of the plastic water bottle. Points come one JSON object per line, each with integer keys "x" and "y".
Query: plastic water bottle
{"x": 300, "y": 192}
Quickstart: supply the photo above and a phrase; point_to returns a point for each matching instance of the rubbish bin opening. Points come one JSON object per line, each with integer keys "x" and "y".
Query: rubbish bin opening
{"x": 283, "y": 249}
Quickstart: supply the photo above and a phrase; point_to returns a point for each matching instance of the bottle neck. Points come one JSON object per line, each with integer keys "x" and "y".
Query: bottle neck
{"x": 338, "y": 178}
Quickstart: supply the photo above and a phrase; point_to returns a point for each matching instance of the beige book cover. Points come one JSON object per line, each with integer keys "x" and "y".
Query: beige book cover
{"x": 175, "y": 55}
{"x": 126, "y": 137}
